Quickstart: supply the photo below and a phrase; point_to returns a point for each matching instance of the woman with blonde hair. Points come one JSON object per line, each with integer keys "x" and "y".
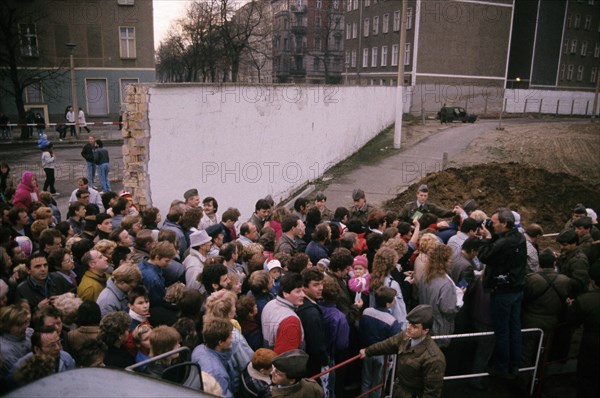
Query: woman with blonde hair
{"x": 437, "y": 289}
{"x": 221, "y": 305}
{"x": 384, "y": 262}
{"x": 426, "y": 243}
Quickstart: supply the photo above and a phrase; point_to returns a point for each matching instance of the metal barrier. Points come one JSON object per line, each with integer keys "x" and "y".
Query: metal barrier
{"x": 455, "y": 377}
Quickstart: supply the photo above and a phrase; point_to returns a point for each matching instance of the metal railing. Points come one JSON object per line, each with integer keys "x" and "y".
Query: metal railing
{"x": 533, "y": 368}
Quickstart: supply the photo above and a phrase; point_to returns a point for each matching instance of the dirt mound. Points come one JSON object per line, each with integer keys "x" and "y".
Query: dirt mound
{"x": 537, "y": 194}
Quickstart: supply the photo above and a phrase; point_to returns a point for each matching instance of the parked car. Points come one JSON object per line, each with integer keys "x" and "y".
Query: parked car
{"x": 448, "y": 114}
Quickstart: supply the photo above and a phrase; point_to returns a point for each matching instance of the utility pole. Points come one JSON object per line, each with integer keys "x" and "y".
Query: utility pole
{"x": 596, "y": 97}
{"x": 72, "y": 46}
{"x": 400, "y": 87}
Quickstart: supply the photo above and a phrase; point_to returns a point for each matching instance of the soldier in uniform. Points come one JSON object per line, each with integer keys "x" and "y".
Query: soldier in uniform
{"x": 420, "y": 364}
{"x": 288, "y": 369}
{"x": 417, "y": 208}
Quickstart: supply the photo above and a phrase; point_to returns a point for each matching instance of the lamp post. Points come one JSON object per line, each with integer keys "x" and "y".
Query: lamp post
{"x": 71, "y": 47}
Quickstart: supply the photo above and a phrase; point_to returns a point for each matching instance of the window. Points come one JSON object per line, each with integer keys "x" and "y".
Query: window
{"x": 407, "y": 54}
{"x": 566, "y": 46}
{"x": 574, "y": 46}
{"x": 317, "y": 43}
{"x": 386, "y": 23}
{"x": 588, "y": 22}
{"x": 29, "y": 43}
{"x": 353, "y": 61}
{"x": 365, "y": 61}
{"x": 577, "y": 23}
{"x": 285, "y": 44}
{"x": 375, "y": 25}
{"x": 338, "y": 43}
{"x": 348, "y": 31}
{"x": 317, "y": 21}
{"x": 276, "y": 43}
{"x": 349, "y": 5}
{"x": 584, "y": 46}
{"x": 570, "y": 69}
{"x": 367, "y": 3}
{"x": 396, "y": 21}
{"x": 127, "y": 42}
{"x": 355, "y": 4}
{"x": 347, "y": 58}
{"x": 336, "y": 4}
{"x": 354, "y": 30}
{"x": 569, "y": 21}
{"x": 366, "y": 27}
{"x": 394, "y": 55}
{"x": 316, "y": 63}
{"x": 562, "y": 72}
{"x": 125, "y": 82}
{"x": 580, "y": 69}
{"x": 594, "y": 74}
{"x": 597, "y": 51}
{"x": 126, "y": 2}
{"x": 318, "y": 4}
{"x": 374, "y": 56}
{"x": 409, "y": 17}
{"x": 384, "y": 55}
{"x": 33, "y": 93}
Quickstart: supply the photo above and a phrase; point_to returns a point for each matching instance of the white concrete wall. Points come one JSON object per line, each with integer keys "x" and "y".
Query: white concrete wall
{"x": 241, "y": 143}
{"x": 568, "y": 102}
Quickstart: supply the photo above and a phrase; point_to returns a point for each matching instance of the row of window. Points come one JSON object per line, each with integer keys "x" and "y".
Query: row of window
{"x": 574, "y": 21}
{"x": 335, "y": 44}
{"x": 30, "y": 45}
{"x": 567, "y": 72}
{"x": 570, "y": 47}
{"x": 352, "y": 28}
{"x": 375, "y": 58}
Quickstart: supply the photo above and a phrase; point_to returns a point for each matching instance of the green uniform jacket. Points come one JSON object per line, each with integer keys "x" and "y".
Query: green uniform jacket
{"x": 542, "y": 306}
{"x": 575, "y": 265}
{"x": 419, "y": 370}
{"x": 306, "y": 388}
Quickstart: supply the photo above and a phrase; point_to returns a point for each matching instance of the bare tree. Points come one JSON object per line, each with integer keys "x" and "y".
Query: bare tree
{"x": 330, "y": 34}
{"x": 20, "y": 56}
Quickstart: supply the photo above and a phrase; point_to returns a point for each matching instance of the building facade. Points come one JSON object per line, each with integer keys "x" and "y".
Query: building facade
{"x": 447, "y": 42}
{"x": 308, "y": 41}
{"x": 556, "y": 46}
{"x": 112, "y": 45}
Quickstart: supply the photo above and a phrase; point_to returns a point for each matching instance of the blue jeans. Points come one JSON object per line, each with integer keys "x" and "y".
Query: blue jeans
{"x": 372, "y": 374}
{"x": 91, "y": 172}
{"x": 103, "y": 170}
{"x": 506, "y": 314}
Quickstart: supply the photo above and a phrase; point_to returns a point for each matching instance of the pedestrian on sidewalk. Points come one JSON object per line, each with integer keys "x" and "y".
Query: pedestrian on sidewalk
{"x": 49, "y": 164}
{"x": 82, "y": 122}
{"x": 88, "y": 154}
{"x": 4, "y": 126}
{"x": 40, "y": 123}
{"x": 70, "y": 117}
{"x": 102, "y": 159}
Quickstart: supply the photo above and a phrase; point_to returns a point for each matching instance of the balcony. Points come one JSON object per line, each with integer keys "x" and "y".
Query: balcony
{"x": 298, "y": 72}
{"x": 299, "y": 29}
{"x": 300, "y": 49}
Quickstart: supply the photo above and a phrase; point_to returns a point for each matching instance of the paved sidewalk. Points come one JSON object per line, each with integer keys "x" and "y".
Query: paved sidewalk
{"x": 394, "y": 174}
{"x": 105, "y": 133}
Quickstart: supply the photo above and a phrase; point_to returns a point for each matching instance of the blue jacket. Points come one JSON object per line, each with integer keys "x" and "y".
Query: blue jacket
{"x": 377, "y": 324}
{"x": 335, "y": 328}
{"x": 220, "y": 366}
{"x": 316, "y": 251}
{"x": 153, "y": 279}
{"x": 179, "y": 234}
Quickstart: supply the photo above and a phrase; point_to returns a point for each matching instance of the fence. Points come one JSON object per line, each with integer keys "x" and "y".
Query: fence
{"x": 533, "y": 368}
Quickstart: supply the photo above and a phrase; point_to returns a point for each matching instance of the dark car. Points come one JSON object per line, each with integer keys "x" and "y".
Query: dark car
{"x": 448, "y": 114}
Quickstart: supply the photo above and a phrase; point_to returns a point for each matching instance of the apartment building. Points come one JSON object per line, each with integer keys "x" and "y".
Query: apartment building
{"x": 112, "y": 45}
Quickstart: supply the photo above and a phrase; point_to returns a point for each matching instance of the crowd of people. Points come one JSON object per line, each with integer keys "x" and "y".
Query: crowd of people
{"x": 265, "y": 304}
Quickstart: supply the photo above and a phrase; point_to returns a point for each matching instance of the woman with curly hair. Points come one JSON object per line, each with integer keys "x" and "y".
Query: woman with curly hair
{"x": 114, "y": 331}
{"x": 426, "y": 243}
{"x": 384, "y": 262}
{"x": 437, "y": 289}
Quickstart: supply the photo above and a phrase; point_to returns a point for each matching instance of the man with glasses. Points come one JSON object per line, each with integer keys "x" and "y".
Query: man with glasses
{"x": 46, "y": 341}
{"x": 40, "y": 287}
{"x": 94, "y": 279}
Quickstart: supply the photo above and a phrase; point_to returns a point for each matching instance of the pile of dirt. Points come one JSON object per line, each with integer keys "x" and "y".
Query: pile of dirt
{"x": 538, "y": 195}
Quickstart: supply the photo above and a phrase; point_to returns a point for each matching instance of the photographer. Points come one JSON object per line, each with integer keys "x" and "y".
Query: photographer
{"x": 505, "y": 254}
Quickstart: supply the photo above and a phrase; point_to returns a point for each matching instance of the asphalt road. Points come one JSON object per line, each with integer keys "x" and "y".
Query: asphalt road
{"x": 70, "y": 166}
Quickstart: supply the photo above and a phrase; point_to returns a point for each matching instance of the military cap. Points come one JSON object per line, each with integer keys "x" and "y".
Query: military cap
{"x": 567, "y": 236}
{"x": 358, "y": 194}
{"x": 292, "y": 363}
{"x": 585, "y": 222}
{"x": 580, "y": 209}
{"x": 422, "y": 313}
{"x": 423, "y": 188}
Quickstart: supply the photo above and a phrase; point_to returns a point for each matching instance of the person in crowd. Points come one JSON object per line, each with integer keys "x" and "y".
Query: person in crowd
{"x": 76, "y": 216}
{"x": 200, "y": 244}
{"x": 139, "y": 306}
{"x": 420, "y": 364}
{"x": 88, "y": 326}
{"x": 262, "y": 209}
{"x": 421, "y": 206}
{"x": 152, "y": 271}
{"x": 70, "y": 119}
{"x": 114, "y": 331}
{"x": 151, "y": 217}
{"x": 573, "y": 262}
{"x": 385, "y": 260}
{"x": 377, "y": 324}
{"x": 95, "y": 277}
{"x": 286, "y": 375}
{"x": 317, "y": 247}
{"x": 256, "y": 379}
{"x": 82, "y": 121}
{"x": 15, "y": 335}
{"x": 162, "y": 340}
{"x": 49, "y": 164}
{"x": 102, "y": 161}
{"x": 210, "y": 217}
{"x": 505, "y": 254}
{"x": 27, "y": 191}
{"x": 361, "y": 209}
{"x": 114, "y": 296}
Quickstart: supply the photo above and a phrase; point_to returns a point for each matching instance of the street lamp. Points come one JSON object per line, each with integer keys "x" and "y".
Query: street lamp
{"x": 71, "y": 47}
